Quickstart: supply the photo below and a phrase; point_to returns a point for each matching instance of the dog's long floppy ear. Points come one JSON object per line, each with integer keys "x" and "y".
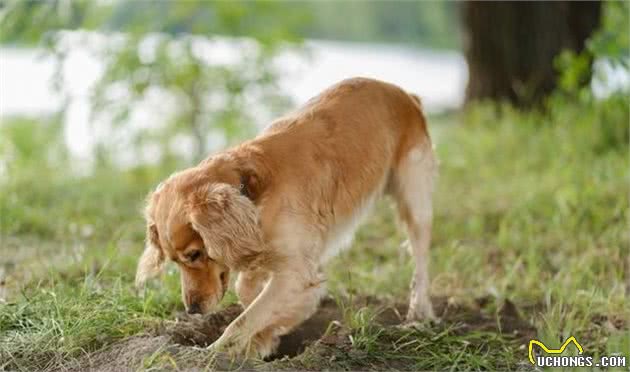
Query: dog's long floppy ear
{"x": 152, "y": 259}
{"x": 228, "y": 223}
{"x": 249, "y": 185}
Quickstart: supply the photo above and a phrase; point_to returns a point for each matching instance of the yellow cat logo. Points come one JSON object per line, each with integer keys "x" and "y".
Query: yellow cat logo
{"x": 552, "y": 351}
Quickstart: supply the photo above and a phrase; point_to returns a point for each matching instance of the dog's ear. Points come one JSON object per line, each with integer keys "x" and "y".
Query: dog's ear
{"x": 250, "y": 185}
{"x": 228, "y": 223}
{"x": 152, "y": 259}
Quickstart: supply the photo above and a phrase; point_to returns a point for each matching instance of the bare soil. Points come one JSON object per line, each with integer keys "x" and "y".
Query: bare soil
{"x": 180, "y": 344}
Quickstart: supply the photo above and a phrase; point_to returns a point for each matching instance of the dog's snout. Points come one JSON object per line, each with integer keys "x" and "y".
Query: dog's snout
{"x": 194, "y": 308}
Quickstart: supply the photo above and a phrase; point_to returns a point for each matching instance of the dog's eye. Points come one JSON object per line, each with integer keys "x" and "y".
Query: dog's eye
{"x": 194, "y": 256}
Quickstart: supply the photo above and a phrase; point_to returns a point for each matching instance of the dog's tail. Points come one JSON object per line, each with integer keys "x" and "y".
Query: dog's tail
{"x": 418, "y": 103}
{"x": 417, "y": 100}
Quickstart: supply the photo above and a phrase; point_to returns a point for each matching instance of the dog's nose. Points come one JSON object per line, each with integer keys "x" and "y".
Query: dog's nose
{"x": 194, "y": 308}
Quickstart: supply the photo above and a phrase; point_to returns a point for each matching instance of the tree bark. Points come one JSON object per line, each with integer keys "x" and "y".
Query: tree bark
{"x": 510, "y": 46}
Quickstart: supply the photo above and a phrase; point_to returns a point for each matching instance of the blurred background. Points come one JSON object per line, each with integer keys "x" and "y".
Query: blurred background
{"x": 135, "y": 82}
{"x": 527, "y": 103}
{"x": 170, "y": 79}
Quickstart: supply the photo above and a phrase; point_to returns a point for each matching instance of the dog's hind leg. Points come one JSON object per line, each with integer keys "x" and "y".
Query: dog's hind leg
{"x": 412, "y": 185}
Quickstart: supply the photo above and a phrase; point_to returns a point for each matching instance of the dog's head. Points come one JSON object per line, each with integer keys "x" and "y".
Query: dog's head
{"x": 207, "y": 224}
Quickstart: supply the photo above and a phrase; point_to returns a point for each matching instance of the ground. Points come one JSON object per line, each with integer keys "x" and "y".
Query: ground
{"x": 531, "y": 241}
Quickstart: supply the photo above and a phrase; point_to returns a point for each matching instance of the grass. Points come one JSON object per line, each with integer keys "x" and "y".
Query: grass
{"x": 413, "y": 349}
{"x": 531, "y": 210}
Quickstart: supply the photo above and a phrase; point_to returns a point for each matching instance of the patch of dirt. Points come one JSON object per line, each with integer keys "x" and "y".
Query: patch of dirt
{"x": 179, "y": 344}
{"x": 310, "y": 331}
{"x": 123, "y": 355}
{"x": 202, "y": 330}
{"x": 505, "y": 320}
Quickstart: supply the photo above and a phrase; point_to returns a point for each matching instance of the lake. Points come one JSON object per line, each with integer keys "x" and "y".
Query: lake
{"x": 439, "y": 77}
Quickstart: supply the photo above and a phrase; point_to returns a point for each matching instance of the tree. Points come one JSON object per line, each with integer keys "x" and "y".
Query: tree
{"x": 511, "y": 46}
{"x": 165, "y": 48}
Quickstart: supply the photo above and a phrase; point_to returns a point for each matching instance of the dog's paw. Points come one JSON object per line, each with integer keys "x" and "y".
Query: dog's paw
{"x": 232, "y": 346}
{"x": 263, "y": 345}
{"x": 259, "y": 347}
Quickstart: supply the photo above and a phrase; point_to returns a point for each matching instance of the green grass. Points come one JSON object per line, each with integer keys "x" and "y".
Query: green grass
{"x": 413, "y": 349}
{"x": 530, "y": 209}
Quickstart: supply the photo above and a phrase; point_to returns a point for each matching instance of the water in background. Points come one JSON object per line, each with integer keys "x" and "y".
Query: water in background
{"x": 438, "y": 77}
{"x": 26, "y": 80}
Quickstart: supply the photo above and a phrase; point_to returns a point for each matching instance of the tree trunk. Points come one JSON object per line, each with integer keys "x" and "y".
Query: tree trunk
{"x": 510, "y": 46}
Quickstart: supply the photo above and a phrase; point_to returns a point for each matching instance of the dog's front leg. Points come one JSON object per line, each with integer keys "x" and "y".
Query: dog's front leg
{"x": 289, "y": 298}
{"x": 249, "y": 285}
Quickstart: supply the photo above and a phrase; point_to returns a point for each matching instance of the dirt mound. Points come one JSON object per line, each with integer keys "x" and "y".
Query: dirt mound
{"x": 120, "y": 356}
{"x": 202, "y": 330}
{"x": 180, "y": 344}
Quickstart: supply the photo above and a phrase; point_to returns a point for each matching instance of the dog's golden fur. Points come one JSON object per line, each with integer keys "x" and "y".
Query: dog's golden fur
{"x": 273, "y": 209}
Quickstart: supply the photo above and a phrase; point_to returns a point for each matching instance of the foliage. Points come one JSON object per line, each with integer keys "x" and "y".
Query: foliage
{"x": 609, "y": 46}
{"x": 612, "y": 41}
{"x": 29, "y": 21}
{"x": 428, "y": 23}
{"x": 170, "y": 53}
{"x": 424, "y": 23}
{"x": 609, "y": 50}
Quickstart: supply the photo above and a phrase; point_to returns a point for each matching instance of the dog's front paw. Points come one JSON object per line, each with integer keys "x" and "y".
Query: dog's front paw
{"x": 263, "y": 345}
{"x": 233, "y": 346}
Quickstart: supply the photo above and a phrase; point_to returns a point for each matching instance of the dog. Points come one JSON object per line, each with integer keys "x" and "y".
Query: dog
{"x": 274, "y": 209}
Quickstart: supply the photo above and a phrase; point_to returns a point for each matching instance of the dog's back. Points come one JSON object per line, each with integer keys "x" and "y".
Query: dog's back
{"x": 336, "y": 155}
